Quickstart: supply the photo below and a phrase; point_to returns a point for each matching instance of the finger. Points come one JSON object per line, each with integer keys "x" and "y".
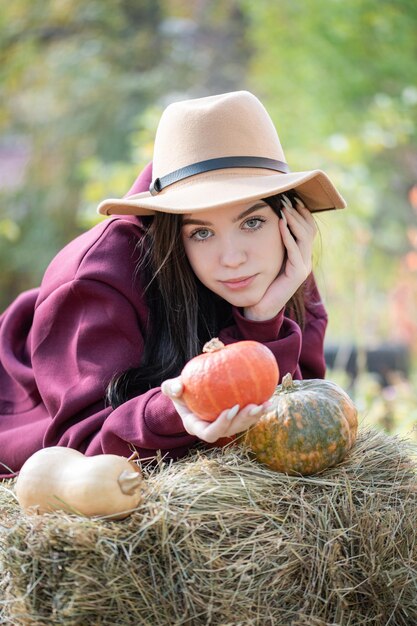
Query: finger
{"x": 207, "y": 431}
{"x": 193, "y": 424}
{"x": 301, "y": 224}
{"x": 301, "y": 207}
{"x": 287, "y": 237}
{"x": 298, "y": 208}
{"x": 297, "y": 204}
{"x": 232, "y": 421}
{"x": 222, "y": 426}
{"x": 246, "y": 418}
{"x": 304, "y": 235}
{"x": 172, "y": 387}
{"x": 299, "y": 244}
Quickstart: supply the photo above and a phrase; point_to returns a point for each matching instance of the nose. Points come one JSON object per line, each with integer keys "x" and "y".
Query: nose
{"x": 232, "y": 255}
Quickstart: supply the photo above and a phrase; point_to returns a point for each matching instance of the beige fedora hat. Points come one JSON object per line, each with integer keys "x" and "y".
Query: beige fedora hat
{"x": 217, "y": 151}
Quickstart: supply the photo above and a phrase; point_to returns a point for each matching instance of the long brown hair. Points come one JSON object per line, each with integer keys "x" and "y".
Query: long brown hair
{"x": 183, "y": 313}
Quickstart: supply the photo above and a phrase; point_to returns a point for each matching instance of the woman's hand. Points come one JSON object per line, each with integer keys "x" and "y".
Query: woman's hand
{"x": 229, "y": 422}
{"x": 298, "y": 230}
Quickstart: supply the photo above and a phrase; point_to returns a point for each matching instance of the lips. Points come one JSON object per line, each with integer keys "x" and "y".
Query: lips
{"x": 238, "y": 283}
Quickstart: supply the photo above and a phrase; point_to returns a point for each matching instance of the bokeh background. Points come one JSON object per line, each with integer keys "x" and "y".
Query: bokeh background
{"x": 82, "y": 87}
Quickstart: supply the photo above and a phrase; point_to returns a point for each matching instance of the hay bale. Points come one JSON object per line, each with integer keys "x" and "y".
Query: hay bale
{"x": 222, "y": 540}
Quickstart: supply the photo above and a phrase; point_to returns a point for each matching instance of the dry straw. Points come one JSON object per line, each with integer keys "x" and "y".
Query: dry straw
{"x": 222, "y": 540}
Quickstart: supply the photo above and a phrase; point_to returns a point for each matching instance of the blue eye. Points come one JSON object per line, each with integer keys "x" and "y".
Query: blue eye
{"x": 254, "y": 223}
{"x": 201, "y": 235}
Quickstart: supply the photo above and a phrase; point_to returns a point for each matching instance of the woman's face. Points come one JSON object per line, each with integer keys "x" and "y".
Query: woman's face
{"x": 235, "y": 251}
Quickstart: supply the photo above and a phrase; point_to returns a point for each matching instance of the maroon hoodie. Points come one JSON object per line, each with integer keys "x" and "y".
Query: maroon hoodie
{"x": 62, "y": 343}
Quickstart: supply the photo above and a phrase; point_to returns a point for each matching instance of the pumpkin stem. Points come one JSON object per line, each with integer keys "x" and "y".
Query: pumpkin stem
{"x": 129, "y": 482}
{"x": 213, "y": 345}
{"x": 287, "y": 382}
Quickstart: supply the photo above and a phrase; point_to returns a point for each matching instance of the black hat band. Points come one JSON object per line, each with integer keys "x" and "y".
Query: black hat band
{"x": 216, "y": 164}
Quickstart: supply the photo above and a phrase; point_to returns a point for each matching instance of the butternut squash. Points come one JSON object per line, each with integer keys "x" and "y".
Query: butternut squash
{"x": 59, "y": 478}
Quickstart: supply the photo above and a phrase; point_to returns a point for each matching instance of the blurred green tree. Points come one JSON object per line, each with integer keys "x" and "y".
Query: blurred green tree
{"x": 73, "y": 77}
{"x": 82, "y": 84}
{"x": 340, "y": 79}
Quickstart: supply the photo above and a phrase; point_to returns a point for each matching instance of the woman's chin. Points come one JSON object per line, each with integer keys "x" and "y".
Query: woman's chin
{"x": 242, "y": 298}
{"x": 242, "y": 301}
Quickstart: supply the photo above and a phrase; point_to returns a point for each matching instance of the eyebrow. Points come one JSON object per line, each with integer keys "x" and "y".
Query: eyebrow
{"x": 192, "y": 220}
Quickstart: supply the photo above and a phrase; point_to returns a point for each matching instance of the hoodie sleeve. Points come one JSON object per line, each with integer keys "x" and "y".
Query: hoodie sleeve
{"x": 84, "y": 333}
{"x": 312, "y": 361}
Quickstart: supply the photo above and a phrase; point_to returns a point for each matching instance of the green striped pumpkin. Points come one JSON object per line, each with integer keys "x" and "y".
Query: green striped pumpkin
{"x": 311, "y": 426}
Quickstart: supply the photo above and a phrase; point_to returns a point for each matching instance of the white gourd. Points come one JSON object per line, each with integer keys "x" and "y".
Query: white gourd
{"x": 59, "y": 478}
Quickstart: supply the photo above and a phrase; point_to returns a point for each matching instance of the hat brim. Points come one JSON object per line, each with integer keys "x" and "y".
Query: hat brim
{"x": 227, "y": 187}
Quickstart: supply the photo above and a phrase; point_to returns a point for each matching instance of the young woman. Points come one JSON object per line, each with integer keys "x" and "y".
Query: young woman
{"x": 215, "y": 239}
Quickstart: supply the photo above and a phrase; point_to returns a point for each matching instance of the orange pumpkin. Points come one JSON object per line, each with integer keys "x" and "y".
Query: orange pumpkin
{"x": 245, "y": 372}
{"x": 311, "y": 426}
